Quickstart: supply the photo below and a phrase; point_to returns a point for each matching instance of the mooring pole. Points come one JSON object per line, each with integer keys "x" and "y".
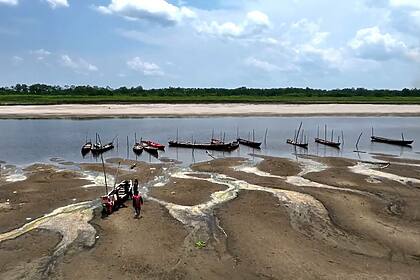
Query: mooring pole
{"x": 128, "y": 144}
{"x": 265, "y": 136}
{"x": 103, "y": 167}
{"x": 116, "y": 175}
{"x": 358, "y": 139}
{"x": 325, "y": 132}
{"x": 298, "y": 132}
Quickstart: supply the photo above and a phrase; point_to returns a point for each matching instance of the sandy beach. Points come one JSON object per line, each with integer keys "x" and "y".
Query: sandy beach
{"x": 204, "y": 110}
{"x": 311, "y": 218}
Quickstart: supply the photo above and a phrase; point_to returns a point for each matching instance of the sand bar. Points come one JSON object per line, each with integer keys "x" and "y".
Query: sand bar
{"x": 201, "y": 110}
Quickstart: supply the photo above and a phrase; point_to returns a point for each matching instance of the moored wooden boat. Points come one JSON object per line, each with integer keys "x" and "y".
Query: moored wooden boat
{"x": 298, "y": 142}
{"x": 252, "y": 144}
{"x": 219, "y": 146}
{"x": 328, "y": 143}
{"x": 116, "y": 197}
{"x": 86, "y": 148}
{"x": 151, "y": 150}
{"x": 99, "y": 148}
{"x": 401, "y": 142}
{"x": 138, "y": 148}
{"x": 153, "y": 144}
{"x": 294, "y": 143}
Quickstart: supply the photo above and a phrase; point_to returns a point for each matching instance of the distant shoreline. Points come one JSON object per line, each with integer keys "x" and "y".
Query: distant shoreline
{"x": 81, "y": 111}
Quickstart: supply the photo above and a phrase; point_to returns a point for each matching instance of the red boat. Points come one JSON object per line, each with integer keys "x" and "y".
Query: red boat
{"x": 153, "y": 144}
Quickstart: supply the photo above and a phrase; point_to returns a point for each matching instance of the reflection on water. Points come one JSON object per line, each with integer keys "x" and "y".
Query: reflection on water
{"x": 28, "y": 141}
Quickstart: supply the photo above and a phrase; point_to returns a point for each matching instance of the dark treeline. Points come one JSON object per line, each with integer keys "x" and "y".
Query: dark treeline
{"x": 42, "y": 89}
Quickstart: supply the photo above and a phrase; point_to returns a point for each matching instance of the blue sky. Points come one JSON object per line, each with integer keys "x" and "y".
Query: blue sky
{"x": 204, "y": 43}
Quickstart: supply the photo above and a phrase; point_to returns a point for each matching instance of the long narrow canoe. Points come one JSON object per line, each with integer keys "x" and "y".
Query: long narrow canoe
{"x": 302, "y": 145}
{"x": 252, "y": 144}
{"x": 226, "y": 147}
{"x": 391, "y": 141}
{"x": 328, "y": 143}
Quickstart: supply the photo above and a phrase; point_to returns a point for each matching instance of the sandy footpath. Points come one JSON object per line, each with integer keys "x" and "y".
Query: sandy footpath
{"x": 180, "y": 110}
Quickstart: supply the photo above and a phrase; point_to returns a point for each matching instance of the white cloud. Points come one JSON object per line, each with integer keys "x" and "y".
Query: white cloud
{"x": 261, "y": 64}
{"x": 255, "y": 24}
{"x": 17, "y": 60}
{"x": 305, "y": 30}
{"x": 40, "y": 54}
{"x": 327, "y": 57}
{"x": 157, "y": 11}
{"x": 9, "y": 2}
{"x": 147, "y": 68}
{"x": 371, "y": 43}
{"x": 405, "y": 3}
{"x": 79, "y": 65}
{"x": 57, "y": 3}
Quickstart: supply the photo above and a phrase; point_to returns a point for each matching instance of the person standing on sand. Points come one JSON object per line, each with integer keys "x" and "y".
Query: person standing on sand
{"x": 137, "y": 203}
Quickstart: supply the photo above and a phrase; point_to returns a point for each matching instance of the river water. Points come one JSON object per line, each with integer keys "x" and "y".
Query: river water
{"x": 24, "y": 142}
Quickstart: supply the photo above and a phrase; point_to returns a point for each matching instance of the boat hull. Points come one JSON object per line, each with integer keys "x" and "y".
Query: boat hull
{"x": 225, "y": 147}
{"x": 154, "y": 145}
{"x": 138, "y": 149}
{"x": 252, "y": 144}
{"x": 328, "y": 143}
{"x": 392, "y": 141}
{"x": 301, "y": 145}
{"x": 102, "y": 149}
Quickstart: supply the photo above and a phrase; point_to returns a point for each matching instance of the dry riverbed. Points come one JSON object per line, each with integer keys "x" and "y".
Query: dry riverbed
{"x": 311, "y": 218}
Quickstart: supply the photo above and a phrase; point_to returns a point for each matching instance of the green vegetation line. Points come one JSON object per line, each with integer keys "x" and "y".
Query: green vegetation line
{"x": 46, "y": 94}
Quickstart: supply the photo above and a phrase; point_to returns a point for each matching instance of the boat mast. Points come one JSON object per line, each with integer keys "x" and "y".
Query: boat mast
{"x": 103, "y": 167}
{"x": 116, "y": 175}
{"x": 265, "y": 136}
{"x": 297, "y": 136}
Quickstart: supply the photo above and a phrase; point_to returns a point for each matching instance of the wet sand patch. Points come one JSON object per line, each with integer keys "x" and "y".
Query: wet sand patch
{"x": 186, "y": 192}
{"x": 218, "y": 165}
{"x": 26, "y": 256}
{"x": 45, "y": 189}
{"x": 260, "y": 237}
{"x": 279, "y": 166}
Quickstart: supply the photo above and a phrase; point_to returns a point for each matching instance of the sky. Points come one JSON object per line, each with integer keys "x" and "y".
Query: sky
{"x": 211, "y": 43}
